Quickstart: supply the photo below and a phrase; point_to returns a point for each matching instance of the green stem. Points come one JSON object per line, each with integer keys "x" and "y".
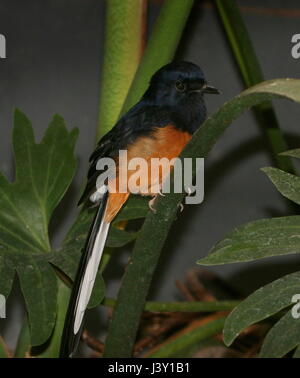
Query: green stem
{"x": 53, "y": 345}
{"x": 161, "y": 46}
{"x": 188, "y": 339}
{"x": 160, "y": 50}
{"x": 251, "y": 72}
{"x": 181, "y": 306}
{"x": 124, "y": 31}
{"x": 123, "y": 48}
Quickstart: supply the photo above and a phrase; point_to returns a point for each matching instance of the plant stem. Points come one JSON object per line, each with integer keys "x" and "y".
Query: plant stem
{"x": 160, "y": 50}
{"x": 161, "y": 46}
{"x": 123, "y": 45}
{"x": 181, "y": 306}
{"x": 189, "y": 337}
{"x": 251, "y": 72}
{"x": 53, "y": 347}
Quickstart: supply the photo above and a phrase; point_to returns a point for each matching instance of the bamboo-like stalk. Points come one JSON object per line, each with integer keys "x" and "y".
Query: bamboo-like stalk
{"x": 123, "y": 45}
{"x": 197, "y": 331}
{"x": 251, "y": 73}
{"x": 161, "y": 46}
{"x": 181, "y": 306}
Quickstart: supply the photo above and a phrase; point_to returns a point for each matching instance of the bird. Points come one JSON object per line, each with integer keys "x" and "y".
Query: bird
{"x": 160, "y": 125}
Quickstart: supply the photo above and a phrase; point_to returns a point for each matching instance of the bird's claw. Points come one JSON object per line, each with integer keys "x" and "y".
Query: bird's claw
{"x": 181, "y": 207}
{"x": 189, "y": 191}
{"x": 151, "y": 204}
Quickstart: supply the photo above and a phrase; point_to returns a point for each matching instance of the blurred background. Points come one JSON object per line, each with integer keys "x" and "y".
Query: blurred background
{"x": 53, "y": 65}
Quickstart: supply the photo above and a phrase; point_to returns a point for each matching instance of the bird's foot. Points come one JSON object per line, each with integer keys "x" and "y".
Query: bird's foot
{"x": 152, "y": 201}
{"x": 181, "y": 207}
{"x": 151, "y": 204}
{"x": 189, "y": 191}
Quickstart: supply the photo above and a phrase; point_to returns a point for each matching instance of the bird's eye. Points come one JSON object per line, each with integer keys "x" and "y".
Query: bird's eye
{"x": 180, "y": 86}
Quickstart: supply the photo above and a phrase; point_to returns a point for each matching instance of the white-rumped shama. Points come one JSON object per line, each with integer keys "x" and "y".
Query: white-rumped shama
{"x": 158, "y": 126}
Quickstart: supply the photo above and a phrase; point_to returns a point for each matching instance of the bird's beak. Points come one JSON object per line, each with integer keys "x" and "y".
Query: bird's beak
{"x": 210, "y": 89}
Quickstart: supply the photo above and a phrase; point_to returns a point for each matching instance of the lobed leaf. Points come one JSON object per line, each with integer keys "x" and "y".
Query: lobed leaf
{"x": 44, "y": 171}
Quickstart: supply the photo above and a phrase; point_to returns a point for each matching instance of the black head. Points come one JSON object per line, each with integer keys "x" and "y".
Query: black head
{"x": 178, "y": 80}
{"x": 180, "y": 86}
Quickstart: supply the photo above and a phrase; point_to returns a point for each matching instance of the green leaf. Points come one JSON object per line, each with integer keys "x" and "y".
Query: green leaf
{"x": 257, "y": 240}
{"x": 148, "y": 246}
{"x": 23, "y": 344}
{"x": 52, "y": 347}
{"x": 297, "y": 353}
{"x": 251, "y": 73}
{"x": 43, "y": 173}
{"x": 283, "y": 337}
{"x": 7, "y": 273}
{"x": 117, "y": 238}
{"x": 135, "y": 208}
{"x": 264, "y": 302}
{"x": 293, "y": 153}
{"x": 39, "y": 287}
{"x": 170, "y": 348}
{"x": 287, "y": 184}
{"x": 240, "y": 42}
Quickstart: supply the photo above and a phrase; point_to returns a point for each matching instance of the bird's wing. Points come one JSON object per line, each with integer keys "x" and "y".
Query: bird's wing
{"x": 124, "y": 133}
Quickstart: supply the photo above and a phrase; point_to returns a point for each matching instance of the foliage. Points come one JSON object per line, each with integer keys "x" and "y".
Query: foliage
{"x": 44, "y": 172}
{"x": 259, "y": 239}
{"x": 147, "y": 249}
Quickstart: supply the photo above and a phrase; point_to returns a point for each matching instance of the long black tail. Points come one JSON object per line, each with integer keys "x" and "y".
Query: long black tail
{"x": 84, "y": 281}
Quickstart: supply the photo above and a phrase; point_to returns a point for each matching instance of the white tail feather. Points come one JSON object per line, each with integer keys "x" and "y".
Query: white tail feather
{"x": 90, "y": 274}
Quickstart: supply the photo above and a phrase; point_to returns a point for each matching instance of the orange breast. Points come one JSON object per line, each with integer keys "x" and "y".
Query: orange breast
{"x": 165, "y": 142}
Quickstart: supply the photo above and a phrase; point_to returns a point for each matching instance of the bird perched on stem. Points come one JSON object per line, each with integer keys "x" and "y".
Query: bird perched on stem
{"x": 158, "y": 126}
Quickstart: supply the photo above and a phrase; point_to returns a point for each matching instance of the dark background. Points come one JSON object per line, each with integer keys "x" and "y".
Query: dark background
{"x": 53, "y": 65}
